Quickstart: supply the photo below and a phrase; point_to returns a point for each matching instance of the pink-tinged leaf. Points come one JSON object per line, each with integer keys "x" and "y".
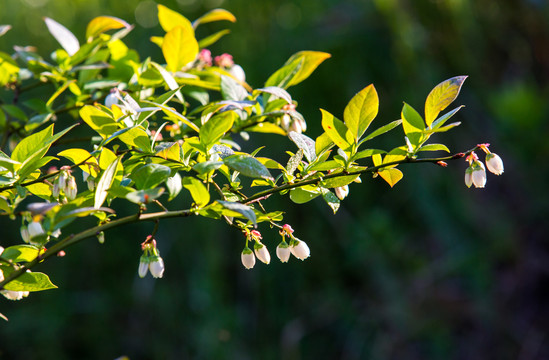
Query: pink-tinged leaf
{"x": 64, "y": 37}
{"x": 441, "y": 96}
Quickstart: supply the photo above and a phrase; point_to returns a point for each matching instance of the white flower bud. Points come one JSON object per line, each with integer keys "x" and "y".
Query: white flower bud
{"x": 71, "y": 191}
{"x": 110, "y": 100}
{"x": 14, "y": 295}
{"x": 285, "y": 121}
{"x": 342, "y": 192}
{"x": 1, "y": 273}
{"x": 494, "y": 163}
{"x": 283, "y": 252}
{"x": 55, "y": 191}
{"x": 157, "y": 267}
{"x": 143, "y": 267}
{"x": 479, "y": 175}
{"x": 469, "y": 176}
{"x": 35, "y": 229}
{"x": 300, "y": 249}
{"x": 238, "y": 72}
{"x": 262, "y": 253}
{"x": 25, "y": 234}
{"x": 62, "y": 181}
{"x": 101, "y": 237}
{"x": 247, "y": 257}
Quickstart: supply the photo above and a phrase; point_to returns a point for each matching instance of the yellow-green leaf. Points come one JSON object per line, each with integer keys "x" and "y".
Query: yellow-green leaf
{"x": 361, "y": 110}
{"x": 336, "y": 130}
{"x": 215, "y": 15}
{"x": 179, "y": 47}
{"x": 311, "y": 60}
{"x": 198, "y": 191}
{"x": 101, "y": 24}
{"x": 391, "y": 176}
{"x": 441, "y": 96}
{"x": 79, "y": 155}
{"x": 169, "y": 19}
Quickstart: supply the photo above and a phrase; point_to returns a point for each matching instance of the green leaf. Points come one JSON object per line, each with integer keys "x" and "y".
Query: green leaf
{"x": 32, "y": 144}
{"x": 98, "y": 120}
{"x": 232, "y": 90}
{"x": 294, "y": 162}
{"x": 169, "y": 80}
{"x": 214, "y": 129}
{"x": 412, "y": 124}
{"x": 136, "y": 137}
{"x": 305, "y": 143}
{"x": 144, "y": 196}
{"x": 21, "y": 253}
{"x": 441, "y": 96}
{"x": 361, "y": 111}
{"x": 214, "y": 15}
{"x": 339, "y": 181}
{"x": 382, "y": 130}
{"x": 150, "y": 175}
{"x": 442, "y": 120}
{"x": 331, "y": 199}
{"x": 276, "y": 91}
{"x": 212, "y": 39}
{"x": 174, "y": 186}
{"x": 179, "y": 47}
{"x": 77, "y": 156}
{"x": 105, "y": 182}
{"x": 207, "y": 166}
{"x": 64, "y": 37}
{"x": 434, "y": 147}
{"x": 170, "y": 111}
{"x": 247, "y": 166}
{"x": 239, "y": 208}
{"x": 169, "y": 19}
{"x": 325, "y": 166}
{"x": 303, "y": 194}
{"x": 297, "y": 68}
{"x": 198, "y": 191}
{"x": 30, "y": 281}
{"x": 323, "y": 143}
{"x": 336, "y": 130}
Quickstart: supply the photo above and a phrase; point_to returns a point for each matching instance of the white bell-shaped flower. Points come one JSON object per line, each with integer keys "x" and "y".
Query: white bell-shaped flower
{"x": 262, "y": 253}
{"x": 300, "y": 249}
{"x": 156, "y": 266}
{"x": 494, "y": 163}
{"x": 247, "y": 257}
{"x": 283, "y": 252}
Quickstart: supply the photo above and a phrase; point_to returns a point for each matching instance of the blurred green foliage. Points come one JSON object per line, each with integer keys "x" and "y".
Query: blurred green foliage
{"x": 427, "y": 270}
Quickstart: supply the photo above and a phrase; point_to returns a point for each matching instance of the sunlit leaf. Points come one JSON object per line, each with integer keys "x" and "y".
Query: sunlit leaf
{"x": 305, "y": 143}
{"x": 150, "y": 175}
{"x": 361, "y": 110}
{"x": 215, "y": 15}
{"x": 304, "y": 194}
{"x": 336, "y": 130}
{"x": 198, "y": 191}
{"x": 216, "y": 127}
{"x": 247, "y": 166}
{"x": 169, "y": 19}
{"x": 242, "y": 209}
{"x": 101, "y": 24}
{"x": 179, "y": 47}
{"x": 391, "y": 175}
{"x": 441, "y": 96}
{"x": 29, "y": 281}
{"x": 64, "y": 37}
{"x": 105, "y": 182}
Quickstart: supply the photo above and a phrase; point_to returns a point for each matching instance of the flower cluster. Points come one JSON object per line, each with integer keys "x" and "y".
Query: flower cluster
{"x": 283, "y": 251}
{"x": 150, "y": 260}
{"x": 65, "y": 184}
{"x": 475, "y": 174}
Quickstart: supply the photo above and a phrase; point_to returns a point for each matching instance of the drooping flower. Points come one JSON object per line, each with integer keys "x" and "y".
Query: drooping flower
{"x": 156, "y": 266}
{"x": 247, "y": 257}
{"x": 494, "y": 163}
{"x": 35, "y": 229}
{"x": 71, "y": 189}
{"x": 283, "y": 251}
{"x": 469, "y": 176}
{"x": 342, "y": 192}
{"x": 479, "y": 175}
{"x": 143, "y": 266}
{"x": 14, "y": 295}
{"x": 237, "y": 71}
{"x": 262, "y": 253}
{"x": 300, "y": 249}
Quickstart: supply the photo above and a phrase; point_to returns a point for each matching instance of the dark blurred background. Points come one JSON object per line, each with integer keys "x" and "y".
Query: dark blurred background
{"x": 427, "y": 270}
